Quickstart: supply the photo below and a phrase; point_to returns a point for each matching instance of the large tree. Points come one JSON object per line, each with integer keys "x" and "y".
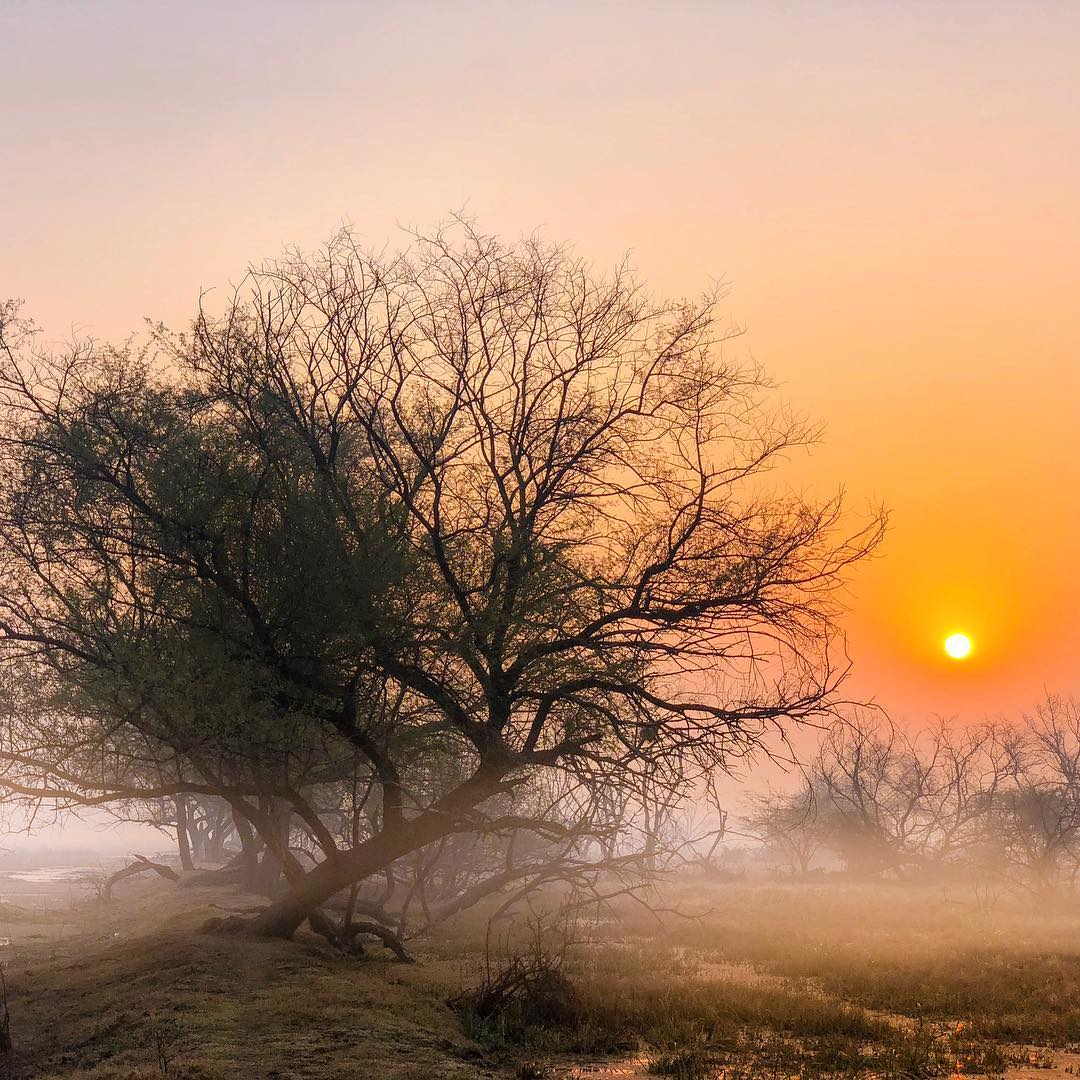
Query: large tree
{"x": 452, "y": 518}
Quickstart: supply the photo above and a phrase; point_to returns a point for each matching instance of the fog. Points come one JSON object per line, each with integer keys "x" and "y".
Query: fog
{"x": 537, "y": 541}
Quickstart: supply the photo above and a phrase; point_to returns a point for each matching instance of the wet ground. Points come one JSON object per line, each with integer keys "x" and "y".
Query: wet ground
{"x": 49, "y": 889}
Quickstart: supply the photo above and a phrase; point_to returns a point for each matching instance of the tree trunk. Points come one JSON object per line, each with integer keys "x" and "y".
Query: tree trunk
{"x": 272, "y": 864}
{"x": 216, "y": 837}
{"x": 248, "y": 858}
{"x": 307, "y": 894}
{"x": 183, "y": 836}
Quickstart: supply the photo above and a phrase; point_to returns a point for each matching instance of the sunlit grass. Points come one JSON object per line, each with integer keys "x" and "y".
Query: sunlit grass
{"x": 826, "y": 979}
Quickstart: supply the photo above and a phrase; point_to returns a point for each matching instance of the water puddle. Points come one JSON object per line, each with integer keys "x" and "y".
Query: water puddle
{"x": 49, "y": 875}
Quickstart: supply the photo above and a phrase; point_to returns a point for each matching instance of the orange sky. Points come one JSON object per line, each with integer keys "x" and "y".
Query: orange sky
{"x": 891, "y": 189}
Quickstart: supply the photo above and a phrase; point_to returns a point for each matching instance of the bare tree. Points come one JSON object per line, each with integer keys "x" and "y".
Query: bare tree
{"x": 1034, "y": 820}
{"x": 788, "y": 827}
{"x": 907, "y": 800}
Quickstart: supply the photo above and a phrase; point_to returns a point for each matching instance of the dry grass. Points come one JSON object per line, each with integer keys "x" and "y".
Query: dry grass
{"x": 87, "y": 1006}
{"x": 778, "y": 980}
{"x": 1011, "y": 975}
{"x": 823, "y": 978}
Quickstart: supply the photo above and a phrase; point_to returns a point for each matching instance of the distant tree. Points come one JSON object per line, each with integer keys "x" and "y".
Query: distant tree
{"x": 425, "y": 527}
{"x": 1033, "y": 824}
{"x": 788, "y": 826}
{"x": 906, "y": 801}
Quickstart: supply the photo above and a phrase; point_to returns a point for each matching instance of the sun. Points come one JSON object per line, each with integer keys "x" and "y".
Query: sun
{"x": 958, "y": 646}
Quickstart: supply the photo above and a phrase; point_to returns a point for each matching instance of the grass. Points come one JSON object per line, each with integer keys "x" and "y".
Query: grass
{"x": 827, "y": 978}
{"x": 1004, "y": 995}
{"x": 1012, "y": 976}
{"x": 618, "y": 1015}
{"x": 699, "y": 1025}
{"x": 92, "y": 1005}
{"x": 809, "y": 980}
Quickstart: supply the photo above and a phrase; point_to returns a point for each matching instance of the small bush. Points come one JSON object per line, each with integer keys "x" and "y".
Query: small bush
{"x": 526, "y": 994}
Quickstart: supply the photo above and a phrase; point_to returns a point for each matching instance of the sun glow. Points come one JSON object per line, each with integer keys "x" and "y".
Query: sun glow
{"x": 958, "y": 646}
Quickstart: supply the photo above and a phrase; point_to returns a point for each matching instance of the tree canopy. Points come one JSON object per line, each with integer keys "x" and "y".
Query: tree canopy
{"x": 393, "y": 549}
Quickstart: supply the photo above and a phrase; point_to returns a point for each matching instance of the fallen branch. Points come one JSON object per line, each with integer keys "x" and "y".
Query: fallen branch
{"x": 141, "y": 865}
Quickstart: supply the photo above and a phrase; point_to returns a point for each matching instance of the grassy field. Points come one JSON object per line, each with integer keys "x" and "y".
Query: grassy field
{"x": 773, "y": 980}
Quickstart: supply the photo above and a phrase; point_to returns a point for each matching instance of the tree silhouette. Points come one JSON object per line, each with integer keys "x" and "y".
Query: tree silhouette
{"x": 448, "y": 521}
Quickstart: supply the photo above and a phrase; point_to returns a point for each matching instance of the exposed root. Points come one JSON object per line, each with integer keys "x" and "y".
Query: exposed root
{"x": 233, "y": 924}
{"x": 341, "y": 937}
{"x": 388, "y": 938}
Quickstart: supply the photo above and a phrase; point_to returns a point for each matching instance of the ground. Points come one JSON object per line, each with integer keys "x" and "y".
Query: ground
{"x": 758, "y": 979}
{"x": 89, "y": 994}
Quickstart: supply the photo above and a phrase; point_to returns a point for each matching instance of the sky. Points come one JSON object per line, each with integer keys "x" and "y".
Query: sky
{"x": 889, "y": 189}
